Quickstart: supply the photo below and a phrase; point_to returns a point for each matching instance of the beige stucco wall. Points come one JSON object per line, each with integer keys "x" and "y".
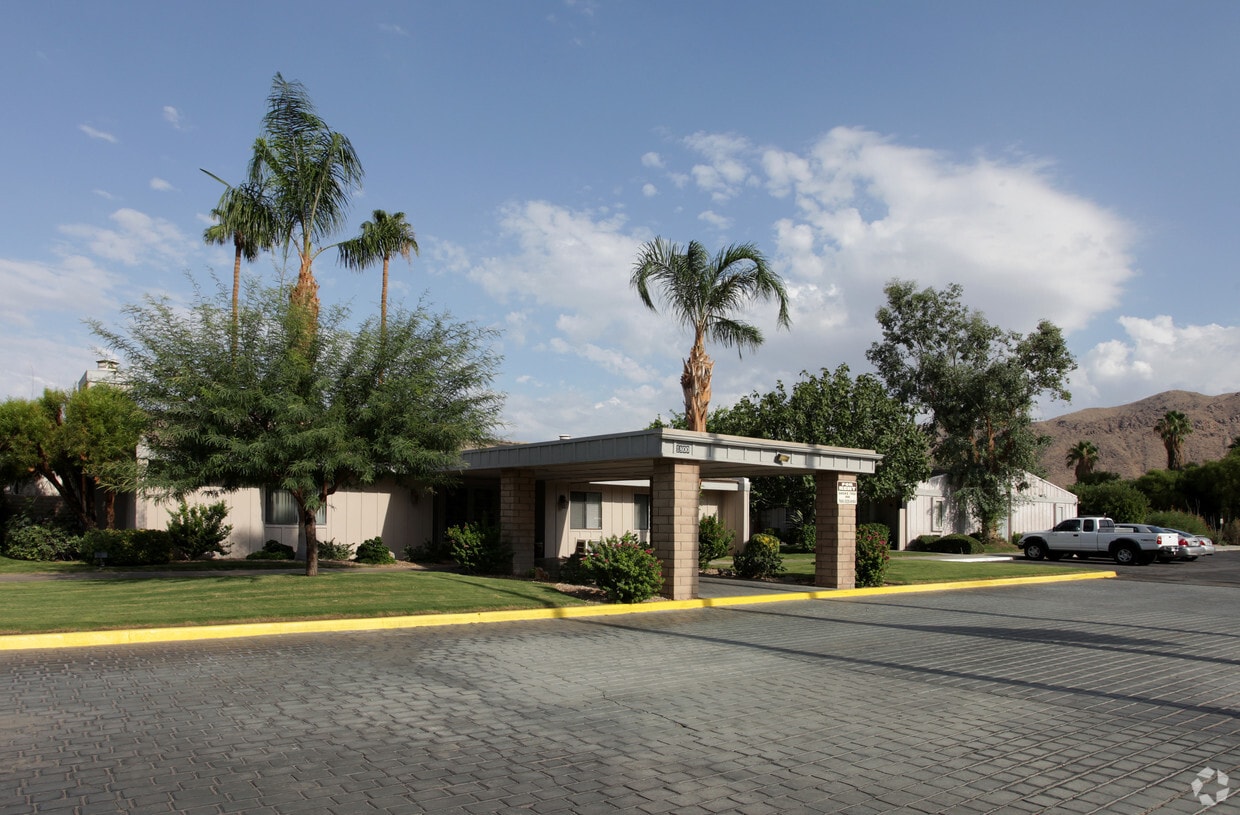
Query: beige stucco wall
{"x": 728, "y": 499}
{"x": 397, "y": 514}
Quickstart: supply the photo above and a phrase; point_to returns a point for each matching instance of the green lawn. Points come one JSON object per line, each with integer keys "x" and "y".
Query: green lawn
{"x": 84, "y": 604}
{"x": 903, "y": 570}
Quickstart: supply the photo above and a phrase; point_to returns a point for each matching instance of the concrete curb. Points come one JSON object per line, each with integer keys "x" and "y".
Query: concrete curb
{"x": 85, "y": 639}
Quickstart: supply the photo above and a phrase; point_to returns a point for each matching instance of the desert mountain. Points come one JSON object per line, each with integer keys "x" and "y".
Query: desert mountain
{"x": 1126, "y": 439}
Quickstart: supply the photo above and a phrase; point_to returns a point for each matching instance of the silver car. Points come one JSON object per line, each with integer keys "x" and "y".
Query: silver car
{"x": 1200, "y": 543}
{"x": 1166, "y": 554}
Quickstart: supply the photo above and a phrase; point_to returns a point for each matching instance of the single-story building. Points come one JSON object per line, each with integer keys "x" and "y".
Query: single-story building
{"x": 551, "y": 498}
{"x": 1033, "y": 504}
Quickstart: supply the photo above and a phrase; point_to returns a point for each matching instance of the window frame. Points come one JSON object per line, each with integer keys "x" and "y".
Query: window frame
{"x": 641, "y": 511}
{"x": 580, "y": 503}
{"x": 269, "y": 495}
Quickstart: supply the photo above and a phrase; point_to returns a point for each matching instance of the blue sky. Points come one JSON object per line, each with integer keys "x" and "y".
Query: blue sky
{"x": 1061, "y": 160}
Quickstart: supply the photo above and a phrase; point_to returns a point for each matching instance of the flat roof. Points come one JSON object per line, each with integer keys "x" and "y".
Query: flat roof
{"x": 632, "y": 455}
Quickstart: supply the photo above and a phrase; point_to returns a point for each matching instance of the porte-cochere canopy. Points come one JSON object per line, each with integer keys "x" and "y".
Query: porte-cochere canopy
{"x": 675, "y": 461}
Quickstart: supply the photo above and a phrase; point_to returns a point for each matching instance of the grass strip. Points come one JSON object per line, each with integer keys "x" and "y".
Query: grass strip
{"x": 83, "y": 604}
{"x": 907, "y": 571}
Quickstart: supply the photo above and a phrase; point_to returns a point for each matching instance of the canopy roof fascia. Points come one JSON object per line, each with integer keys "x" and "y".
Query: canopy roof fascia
{"x": 632, "y": 455}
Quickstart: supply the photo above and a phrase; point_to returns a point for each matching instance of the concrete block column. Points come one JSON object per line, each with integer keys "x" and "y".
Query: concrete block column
{"x": 516, "y": 517}
{"x": 674, "y": 488}
{"x": 835, "y": 528}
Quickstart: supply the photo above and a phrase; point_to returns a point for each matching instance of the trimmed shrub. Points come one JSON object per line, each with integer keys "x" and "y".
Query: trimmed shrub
{"x": 127, "y": 547}
{"x": 199, "y": 530}
{"x": 804, "y": 539}
{"x": 956, "y": 545}
{"x": 872, "y": 554}
{"x": 714, "y": 540}
{"x": 434, "y": 550}
{"x": 922, "y": 543}
{"x": 759, "y": 559}
{"x": 330, "y": 550}
{"x": 573, "y": 570}
{"x": 477, "y": 549}
{"x": 24, "y": 540}
{"x": 373, "y": 552}
{"x": 273, "y": 550}
{"x": 624, "y": 569}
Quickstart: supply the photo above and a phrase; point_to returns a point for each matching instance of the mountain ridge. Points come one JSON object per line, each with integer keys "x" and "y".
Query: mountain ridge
{"x": 1126, "y": 439}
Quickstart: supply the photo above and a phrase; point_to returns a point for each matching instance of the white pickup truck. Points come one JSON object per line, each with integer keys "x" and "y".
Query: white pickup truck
{"x": 1097, "y": 537}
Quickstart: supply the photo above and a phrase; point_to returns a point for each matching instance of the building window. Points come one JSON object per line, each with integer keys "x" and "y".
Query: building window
{"x": 641, "y": 511}
{"x": 586, "y": 510}
{"x": 938, "y": 507}
{"x": 281, "y": 510}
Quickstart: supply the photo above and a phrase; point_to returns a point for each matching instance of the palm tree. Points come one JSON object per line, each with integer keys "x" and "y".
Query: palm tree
{"x": 1083, "y": 456}
{"x": 309, "y": 171}
{"x": 381, "y": 238}
{"x": 1173, "y": 427}
{"x": 244, "y": 218}
{"x": 703, "y": 292}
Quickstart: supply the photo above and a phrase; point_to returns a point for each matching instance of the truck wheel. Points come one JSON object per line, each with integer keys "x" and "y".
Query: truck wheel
{"x": 1035, "y": 550}
{"x": 1127, "y": 555}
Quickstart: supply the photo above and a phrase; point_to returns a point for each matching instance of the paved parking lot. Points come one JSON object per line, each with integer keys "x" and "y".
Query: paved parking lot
{"x": 1096, "y": 696}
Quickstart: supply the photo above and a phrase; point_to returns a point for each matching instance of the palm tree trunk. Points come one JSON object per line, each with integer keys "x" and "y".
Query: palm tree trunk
{"x": 383, "y": 300}
{"x": 695, "y": 383}
{"x": 306, "y": 293}
{"x": 236, "y": 292}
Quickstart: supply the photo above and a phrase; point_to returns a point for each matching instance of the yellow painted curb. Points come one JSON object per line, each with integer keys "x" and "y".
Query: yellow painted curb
{"x": 83, "y": 639}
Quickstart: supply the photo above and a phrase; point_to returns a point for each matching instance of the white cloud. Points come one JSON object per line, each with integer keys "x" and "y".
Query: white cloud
{"x": 608, "y": 359}
{"x": 136, "y": 238}
{"x": 160, "y": 185}
{"x": 1157, "y": 355}
{"x": 32, "y": 288}
{"x": 104, "y": 194}
{"x": 869, "y": 210}
{"x": 649, "y": 190}
{"x": 98, "y": 134}
{"x": 173, "y": 117}
{"x": 716, "y": 220}
{"x": 726, "y": 172}
{"x": 392, "y": 28}
{"x": 653, "y": 160}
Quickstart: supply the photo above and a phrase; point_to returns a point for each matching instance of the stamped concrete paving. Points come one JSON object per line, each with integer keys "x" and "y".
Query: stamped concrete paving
{"x": 1103, "y": 696}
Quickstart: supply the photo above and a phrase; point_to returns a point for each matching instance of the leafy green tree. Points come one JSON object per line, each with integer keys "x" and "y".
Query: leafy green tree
{"x": 309, "y": 173}
{"x": 976, "y": 382}
{"x": 1173, "y": 427}
{"x": 1162, "y": 488}
{"x": 83, "y": 443}
{"x": 832, "y": 409}
{"x": 1119, "y": 500}
{"x": 1082, "y": 457}
{"x": 703, "y": 293}
{"x": 307, "y": 412}
{"x": 381, "y": 238}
